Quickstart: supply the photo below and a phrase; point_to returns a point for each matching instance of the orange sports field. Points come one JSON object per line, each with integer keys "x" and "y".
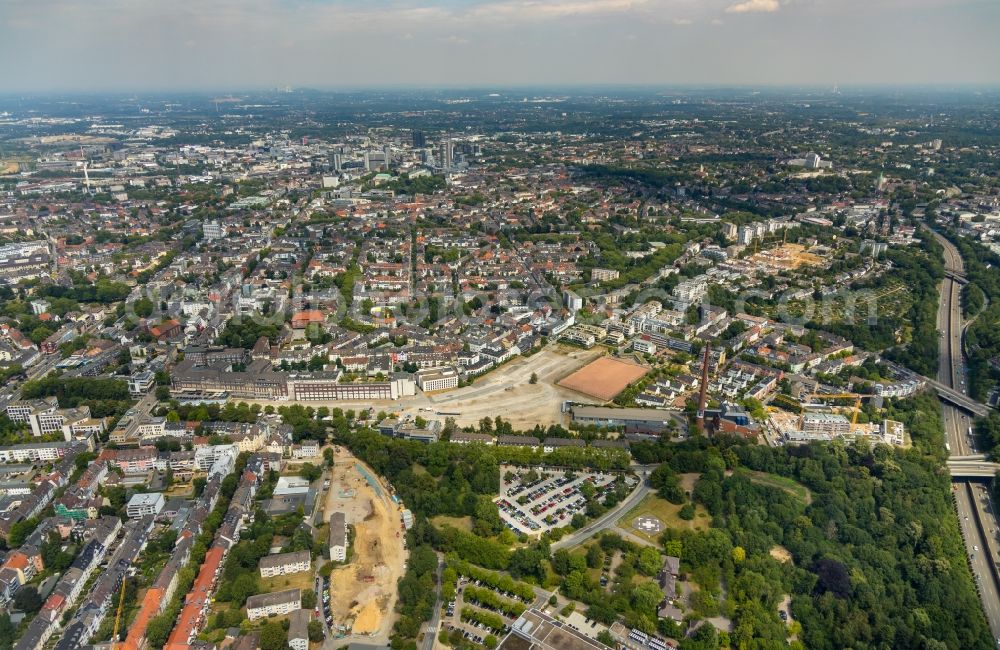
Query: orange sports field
{"x": 604, "y": 378}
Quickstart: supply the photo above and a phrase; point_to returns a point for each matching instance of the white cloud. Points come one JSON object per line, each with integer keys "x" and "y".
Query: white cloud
{"x": 754, "y": 6}
{"x": 683, "y": 22}
{"x": 523, "y": 10}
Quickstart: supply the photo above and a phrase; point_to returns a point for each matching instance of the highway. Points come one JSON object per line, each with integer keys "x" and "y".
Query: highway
{"x": 973, "y": 516}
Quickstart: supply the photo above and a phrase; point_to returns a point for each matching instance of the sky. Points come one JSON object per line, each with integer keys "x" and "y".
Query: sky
{"x": 142, "y": 45}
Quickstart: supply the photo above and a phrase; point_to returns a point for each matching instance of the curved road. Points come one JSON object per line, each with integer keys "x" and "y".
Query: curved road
{"x": 610, "y": 518}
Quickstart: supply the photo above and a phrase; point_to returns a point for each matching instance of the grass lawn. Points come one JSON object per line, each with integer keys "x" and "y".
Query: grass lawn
{"x": 666, "y": 512}
{"x": 461, "y": 523}
{"x": 794, "y": 488}
{"x": 300, "y": 580}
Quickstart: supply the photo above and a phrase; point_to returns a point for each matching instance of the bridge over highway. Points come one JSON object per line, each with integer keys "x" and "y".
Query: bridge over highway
{"x": 944, "y": 392}
{"x": 972, "y": 469}
{"x": 957, "y": 277}
{"x": 959, "y": 400}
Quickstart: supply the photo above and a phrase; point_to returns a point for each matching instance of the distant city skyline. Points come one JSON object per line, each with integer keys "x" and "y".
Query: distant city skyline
{"x": 141, "y": 45}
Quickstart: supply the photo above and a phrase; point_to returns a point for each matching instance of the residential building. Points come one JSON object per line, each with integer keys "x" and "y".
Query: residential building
{"x": 141, "y": 383}
{"x": 283, "y": 564}
{"x": 278, "y": 603}
{"x": 298, "y": 630}
{"x": 338, "y": 537}
{"x": 832, "y": 424}
{"x": 433, "y": 379}
{"x": 603, "y": 275}
{"x": 141, "y": 505}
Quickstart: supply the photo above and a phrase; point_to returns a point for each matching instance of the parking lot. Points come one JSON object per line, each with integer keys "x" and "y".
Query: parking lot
{"x": 481, "y": 598}
{"x": 536, "y": 500}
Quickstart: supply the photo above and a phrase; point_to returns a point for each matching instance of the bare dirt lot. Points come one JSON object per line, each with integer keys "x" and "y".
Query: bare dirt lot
{"x": 604, "y": 378}
{"x": 509, "y": 393}
{"x": 364, "y": 590}
{"x": 781, "y": 554}
{"x": 506, "y": 391}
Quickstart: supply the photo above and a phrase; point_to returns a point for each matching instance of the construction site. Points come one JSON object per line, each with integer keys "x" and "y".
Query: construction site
{"x": 785, "y": 257}
{"x": 825, "y": 416}
{"x": 363, "y": 589}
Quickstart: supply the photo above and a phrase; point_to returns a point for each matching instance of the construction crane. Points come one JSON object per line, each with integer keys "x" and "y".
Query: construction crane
{"x": 118, "y": 617}
{"x": 857, "y": 404}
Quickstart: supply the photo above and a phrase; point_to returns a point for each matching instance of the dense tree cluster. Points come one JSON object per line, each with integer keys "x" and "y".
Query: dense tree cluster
{"x": 878, "y": 560}
{"x": 417, "y": 596}
{"x": 103, "y": 291}
{"x": 244, "y": 332}
{"x": 105, "y": 397}
{"x": 920, "y": 271}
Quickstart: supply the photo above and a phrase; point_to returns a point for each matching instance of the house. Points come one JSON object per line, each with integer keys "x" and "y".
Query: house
{"x": 167, "y": 330}
{"x": 303, "y": 319}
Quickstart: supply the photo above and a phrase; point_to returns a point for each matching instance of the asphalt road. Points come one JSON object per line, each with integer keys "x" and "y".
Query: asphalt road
{"x": 609, "y": 519}
{"x": 969, "y": 501}
{"x": 432, "y": 626}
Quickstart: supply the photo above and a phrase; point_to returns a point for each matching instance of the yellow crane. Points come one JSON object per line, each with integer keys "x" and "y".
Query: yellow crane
{"x": 118, "y": 617}
{"x": 857, "y": 404}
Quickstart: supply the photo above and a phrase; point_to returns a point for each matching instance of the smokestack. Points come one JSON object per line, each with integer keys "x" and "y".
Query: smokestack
{"x": 703, "y": 395}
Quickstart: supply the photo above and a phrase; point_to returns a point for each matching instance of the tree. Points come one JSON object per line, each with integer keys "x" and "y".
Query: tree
{"x": 7, "y": 632}
{"x": 646, "y": 597}
{"x": 668, "y": 483}
{"x": 308, "y": 599}
{"x": 143, "y": 307}
{"x": 27, "y": 599}
{"x": 273, "y": 636}
{"x": 158, "y": 629}
{"x": 649, "y": 561}
{"x": 20, "y": 531}
{"x": 328, "y": 457}
{"x": 833, "y": 577}
{"x": 595, "y": 556}
{"x": 310, "y": 472}
{"x": 316, "y": 633}
{"x": 534, "y": 378}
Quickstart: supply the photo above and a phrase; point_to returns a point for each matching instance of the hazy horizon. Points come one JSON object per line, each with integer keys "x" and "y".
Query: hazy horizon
{"x": 192, "y": 45}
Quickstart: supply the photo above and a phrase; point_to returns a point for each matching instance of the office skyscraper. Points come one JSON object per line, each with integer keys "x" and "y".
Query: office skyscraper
{"x": 447, "y": 153}
{"x": 419, "y": 140}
